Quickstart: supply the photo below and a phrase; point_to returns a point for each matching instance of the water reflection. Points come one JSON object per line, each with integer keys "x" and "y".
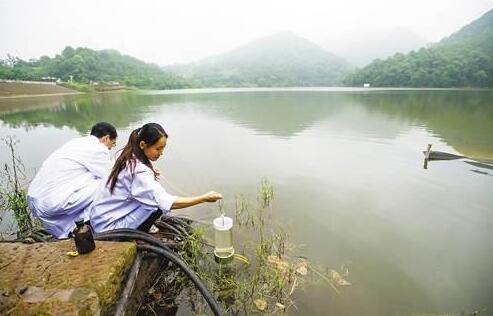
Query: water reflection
{"x": 77, "y": 112}
{"x": 462, "y": 119}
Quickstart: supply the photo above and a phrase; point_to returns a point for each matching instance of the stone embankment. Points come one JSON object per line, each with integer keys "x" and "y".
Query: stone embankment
{"x": 41, "y": 278}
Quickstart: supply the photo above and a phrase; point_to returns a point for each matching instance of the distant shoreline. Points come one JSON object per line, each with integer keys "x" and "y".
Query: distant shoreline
{"x": 8, "y": 93}
{"x": 298, "y": 89}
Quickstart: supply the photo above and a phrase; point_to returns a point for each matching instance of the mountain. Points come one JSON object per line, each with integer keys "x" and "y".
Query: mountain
{"x": 368, "y": 44}
{"x": 84, "y": 65}
{"x": 464, "y": 59}
{"x": 479, "y": 34}
{"x": 284, "y": 59}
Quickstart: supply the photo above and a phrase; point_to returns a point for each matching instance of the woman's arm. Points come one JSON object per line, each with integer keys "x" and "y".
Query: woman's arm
{"x": 182, "y": 202}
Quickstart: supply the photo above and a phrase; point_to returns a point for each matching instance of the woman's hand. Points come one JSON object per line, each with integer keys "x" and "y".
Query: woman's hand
{"x": 212, "y": 196}
{"x": 182, "y": 202}
{"x": 157, "y": 172}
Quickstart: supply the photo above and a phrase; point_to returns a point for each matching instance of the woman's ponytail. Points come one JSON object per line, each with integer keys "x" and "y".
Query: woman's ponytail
{"x": 125, "y": 157}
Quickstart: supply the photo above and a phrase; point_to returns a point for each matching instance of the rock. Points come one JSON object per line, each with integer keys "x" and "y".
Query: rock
{"x": 302, "y": 268}
{"x": 260, "y": 303}
{"x": 41, "y": 279}
{"x": 337, "y": 278}
{"x": 277, "y": 263}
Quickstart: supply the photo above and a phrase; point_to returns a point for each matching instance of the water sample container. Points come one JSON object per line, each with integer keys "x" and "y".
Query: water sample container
{"x": 84, "y": 241}
{"x": 223, "y": 237}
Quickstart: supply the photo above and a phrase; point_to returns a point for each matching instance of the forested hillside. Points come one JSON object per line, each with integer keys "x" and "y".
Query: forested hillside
{"x": 281, "y": 60}
{"x": 85, "y": 65}
{"x": 464, "y": 59}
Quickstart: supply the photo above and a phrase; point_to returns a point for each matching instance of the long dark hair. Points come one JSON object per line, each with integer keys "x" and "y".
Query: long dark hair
{"x": 150, "y": 133}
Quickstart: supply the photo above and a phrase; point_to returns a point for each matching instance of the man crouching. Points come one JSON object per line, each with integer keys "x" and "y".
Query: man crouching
{"x": 65, "y": 183}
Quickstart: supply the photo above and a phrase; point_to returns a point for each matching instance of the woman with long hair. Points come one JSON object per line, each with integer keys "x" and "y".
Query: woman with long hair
{"x": 132, "y": 197}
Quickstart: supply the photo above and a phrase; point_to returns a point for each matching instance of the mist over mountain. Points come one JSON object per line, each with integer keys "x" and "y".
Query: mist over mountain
{"x": 362, "y": 48}
{"x": 464, "y": 59}
{"x": 283, "y": 59}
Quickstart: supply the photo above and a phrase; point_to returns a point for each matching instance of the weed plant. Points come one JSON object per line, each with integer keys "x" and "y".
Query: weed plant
{"x": 263, "y": 274}
{"x": 13, "y": 195}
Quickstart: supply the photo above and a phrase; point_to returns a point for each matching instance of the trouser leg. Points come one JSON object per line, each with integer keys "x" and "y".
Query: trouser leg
{"x": 146, "y": 225}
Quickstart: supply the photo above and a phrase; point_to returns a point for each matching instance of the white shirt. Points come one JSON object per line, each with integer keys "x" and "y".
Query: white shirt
{"x": 66, "y": 182}
{"x": 134, "y": 198}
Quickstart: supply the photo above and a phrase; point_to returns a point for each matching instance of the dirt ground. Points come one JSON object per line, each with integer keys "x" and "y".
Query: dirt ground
{"x": 15, "y": 89}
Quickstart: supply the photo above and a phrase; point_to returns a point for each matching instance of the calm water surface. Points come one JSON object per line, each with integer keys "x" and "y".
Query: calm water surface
{"x": 348, "y": 173}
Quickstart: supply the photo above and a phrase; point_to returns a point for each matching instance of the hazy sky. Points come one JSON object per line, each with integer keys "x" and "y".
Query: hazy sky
{"x": 167, "y": 32}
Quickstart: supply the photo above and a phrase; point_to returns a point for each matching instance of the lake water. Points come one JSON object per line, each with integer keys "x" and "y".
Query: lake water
{"x": 347, "y": 170}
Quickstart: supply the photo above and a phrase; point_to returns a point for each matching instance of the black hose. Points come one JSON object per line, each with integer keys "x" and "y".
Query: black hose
{"x": 121, "y": 305}
{"x": 129, "y": 234}
{"x": 183, "y": 221}
{"x": 175, "y": 229}
{"x": 162, "y": 249}
{"x": 135, "y": 232}
{"x": 214, "y": 305}
{"x": 131, "y": 231}
{"x": 125, "y": 230}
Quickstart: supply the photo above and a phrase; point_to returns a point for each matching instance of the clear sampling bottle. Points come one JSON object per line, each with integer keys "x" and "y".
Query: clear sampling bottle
{"x": 223, "y": 236}
{"x": 84, "y": 241}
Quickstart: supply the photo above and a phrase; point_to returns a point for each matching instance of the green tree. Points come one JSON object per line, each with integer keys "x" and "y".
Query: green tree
{"x": 86, "y": 65}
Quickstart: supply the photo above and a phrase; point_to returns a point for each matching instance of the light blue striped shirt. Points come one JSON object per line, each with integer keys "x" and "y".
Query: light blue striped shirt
{"x": 135, "y": 197}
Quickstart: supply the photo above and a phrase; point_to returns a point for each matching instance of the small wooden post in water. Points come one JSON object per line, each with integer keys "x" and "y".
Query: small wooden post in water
{"x": 427, "y": 152}
{"x": 427, "y": 156}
